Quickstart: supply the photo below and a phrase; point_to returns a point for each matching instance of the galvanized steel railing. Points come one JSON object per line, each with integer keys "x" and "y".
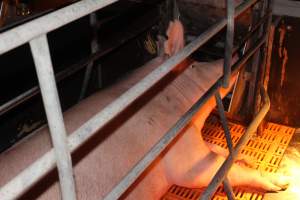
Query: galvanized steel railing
{"x": 35, "y": 32}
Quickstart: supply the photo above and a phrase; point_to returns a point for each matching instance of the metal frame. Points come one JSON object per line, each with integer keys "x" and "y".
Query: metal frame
{"x": 35, "y": 32}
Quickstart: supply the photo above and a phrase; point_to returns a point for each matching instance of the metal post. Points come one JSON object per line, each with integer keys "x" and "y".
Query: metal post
{"x": 94, "y": 49}
{"x": 229, "y": 42}
{"x": 43, "y": 64}
{"x": 224, "y": 121}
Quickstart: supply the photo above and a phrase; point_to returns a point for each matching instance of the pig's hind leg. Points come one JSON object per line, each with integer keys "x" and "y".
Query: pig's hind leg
{"x": 243, "y": 160}
{"x": 199, "y": 163}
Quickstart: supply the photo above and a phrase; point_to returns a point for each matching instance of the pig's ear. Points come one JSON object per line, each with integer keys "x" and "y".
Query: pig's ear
{"x": 175, "y": 40}
{"x": 170, "y": 28}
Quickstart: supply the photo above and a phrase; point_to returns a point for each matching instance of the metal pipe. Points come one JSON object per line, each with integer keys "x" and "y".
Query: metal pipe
{"x": 224, "y": 121}
{"x": 229, "y": 42}
{"x": 228, "y": 189}
{"x": 17, "y": 186}
{"x": 43, "y": 64}
{"x": 222, "y": 172}
{"x": 30, "y": 30}
{"x": 94, "y": 49}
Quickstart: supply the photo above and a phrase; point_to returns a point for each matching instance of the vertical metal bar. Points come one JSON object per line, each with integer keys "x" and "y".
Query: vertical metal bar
{"x": 229, "y": 42}
{"x": 224, "y": 121}
{"x": 228, "y": 189}
{"x": 94, "y": 49}
{"x": 263, "y": 68}
{"x": 43, "y": 64}
{"x": 256, "y": 63}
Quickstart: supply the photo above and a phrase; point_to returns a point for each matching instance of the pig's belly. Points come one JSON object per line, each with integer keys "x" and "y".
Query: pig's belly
{"x": 106, "y": 158}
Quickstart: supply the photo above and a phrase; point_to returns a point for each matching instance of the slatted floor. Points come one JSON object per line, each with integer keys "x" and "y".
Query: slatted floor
{"x": 266, "y": 150}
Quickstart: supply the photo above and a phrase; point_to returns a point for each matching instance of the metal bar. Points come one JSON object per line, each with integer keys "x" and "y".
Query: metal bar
{"x": 23, "y": 181}
{"x": 94, "y": 49}
{"x": 222, "y": 172}
{"x": 263, "y": 61}
{"x": 136, "y": 171}
{"x": 228, "y": 189}
{"x": 30, "y": 30}
{"x": 224, "y": 121}
{"x": 43, "y": 64}
{"x": 229, "y": 42}
{"x": 256, "y": 62}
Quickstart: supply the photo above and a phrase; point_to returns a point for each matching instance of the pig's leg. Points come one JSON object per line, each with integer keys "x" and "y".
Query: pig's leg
{"x": 191, "y": 163}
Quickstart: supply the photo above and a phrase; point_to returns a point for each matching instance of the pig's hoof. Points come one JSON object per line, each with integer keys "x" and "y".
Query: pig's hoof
{"x": 240, "y": 175}
{"x": 279, "y": 180}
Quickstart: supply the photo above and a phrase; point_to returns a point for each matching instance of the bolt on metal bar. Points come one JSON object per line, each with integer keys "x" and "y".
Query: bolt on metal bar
{"x": 222, "y": 172}
{"x": 17, "y": 186}
{"x": 229, "y": 42}
{"x": 43, "y": 64}
{"x": 228, "y": 189}
{"x": 136, "y": 171}
{"x": 224, "y": 121}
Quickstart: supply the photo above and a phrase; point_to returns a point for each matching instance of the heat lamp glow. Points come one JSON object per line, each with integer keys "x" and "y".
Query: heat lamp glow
{"x": 290, "y": 168}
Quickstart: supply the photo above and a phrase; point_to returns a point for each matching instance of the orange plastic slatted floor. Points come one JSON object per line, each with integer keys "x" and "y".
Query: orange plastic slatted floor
{"x": 267, "y": 150}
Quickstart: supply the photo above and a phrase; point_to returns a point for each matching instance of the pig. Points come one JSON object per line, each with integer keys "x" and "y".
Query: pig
{"x": 102, "y": 162}
{"x": 108, "y": 156}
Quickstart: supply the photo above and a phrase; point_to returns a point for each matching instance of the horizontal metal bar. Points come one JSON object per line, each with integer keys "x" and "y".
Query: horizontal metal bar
{"x": 26, "y": 32}
{"x": 43, "y": 64}
{"x": 44, "y": 164}
{"x": 222, "y": 172}
{"x": 136, "y": 171}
